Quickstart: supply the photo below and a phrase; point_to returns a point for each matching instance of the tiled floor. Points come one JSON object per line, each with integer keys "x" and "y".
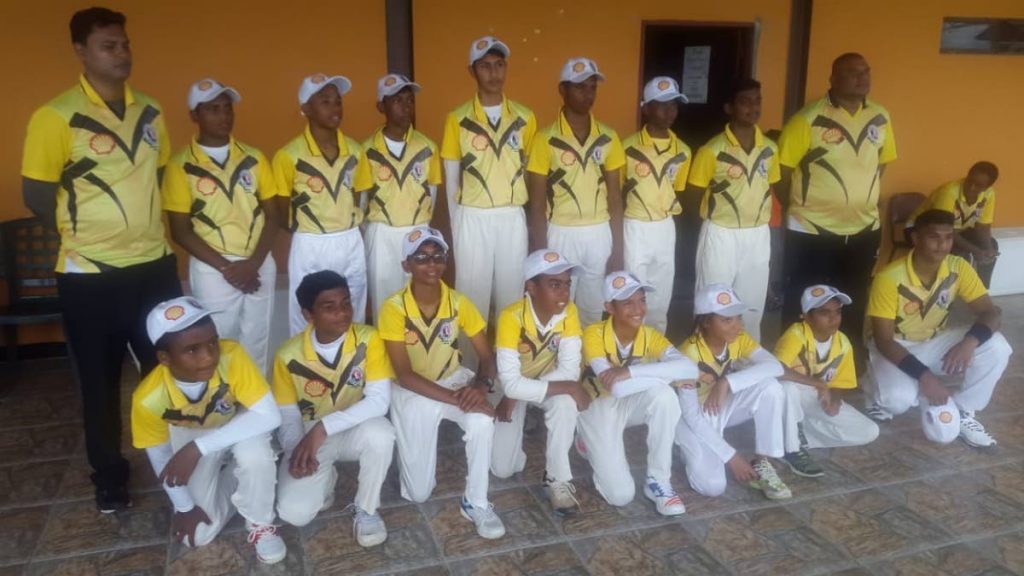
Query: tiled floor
{"x": 899, "y": 506}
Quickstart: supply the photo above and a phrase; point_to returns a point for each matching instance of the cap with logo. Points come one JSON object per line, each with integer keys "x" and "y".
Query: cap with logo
{"x": 718, "y": 299}
{"x": 419, "y": 236}
{"x": 393, "y": 84}
{"x": 577, "y": 70}
{"x": 662, "y": 89}
{"x": 940, "y": 423}
{"x": 621, "y": 285}
{"x": 206, "y": 90}
{"x": 818, "y": 295}
{"x": 481, "y": 46}
{"x": 317, "y": 82}
{"x": 545, "y": 262}
{"x": 174, "y": 315}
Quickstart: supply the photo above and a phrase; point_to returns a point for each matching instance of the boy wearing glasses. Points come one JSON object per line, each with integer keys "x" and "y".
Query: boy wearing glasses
{"x": 420, "y": 326}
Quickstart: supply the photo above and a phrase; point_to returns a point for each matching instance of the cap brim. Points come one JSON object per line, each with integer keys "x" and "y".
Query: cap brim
{"x": 624, "y": 295}
{"x": 340, "y": 82}
{"x": 670, "y": 97}
{"x": 497, "y": 45}
{"x": 558, "y": 269}
{"x": 587, "y": 77}
{"x": 418, "y": 243}
{"x": 733, "y": 310}
{"x": 231, "y": 92}
{"x": 392, "y": 91}
{"x": 843, "y": 299}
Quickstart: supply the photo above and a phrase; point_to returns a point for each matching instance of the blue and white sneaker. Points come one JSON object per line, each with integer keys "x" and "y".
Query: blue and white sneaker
{"x": 488, "y": 524}
{"x": 665, "y": 498}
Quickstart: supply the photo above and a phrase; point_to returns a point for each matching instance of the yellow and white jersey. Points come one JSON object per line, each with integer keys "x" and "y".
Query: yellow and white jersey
{"x": 656, "y": 172}
{"x": 223, "y": 201}
{"x": 599, "y": 342}
{"x": 577, "y": 192}
{"x": 950, "y": 198}
{"x": 492, "y": 158}
{"x": 737, "y": 185}
{"x": 538, "y": 351}
{"x": 797, "y": 349}
{"x": 710, "y": 367}
{"x": 321, "y": 192}
{"x": 108, "y": 197}
{"x": 399, "y": 186}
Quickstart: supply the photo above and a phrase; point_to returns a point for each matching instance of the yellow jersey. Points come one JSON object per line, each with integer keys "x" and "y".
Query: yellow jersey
{"x": 538, "y": 351}
{"x": 399, "y": 187}
{"x": 797, "y": 348}
{"x": 737, "y": 185}
{"x": 709, "y": 366}
{"x": 599, "y": 342}
{"x": 950, "y": 198}
{"x": 655, "y": 174}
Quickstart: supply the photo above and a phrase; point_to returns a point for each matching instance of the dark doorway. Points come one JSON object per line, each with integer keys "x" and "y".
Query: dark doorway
{"x": 729, "y": 54}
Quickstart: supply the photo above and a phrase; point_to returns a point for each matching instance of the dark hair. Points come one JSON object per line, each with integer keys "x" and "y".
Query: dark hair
{"x": 844, "y": 57}
{"x": 314, "y": 284}
{"x": 698, "y": 321}
{"x": 937, "y": 217}
{"x": 986, "y": 168}
{"x": 164, "y": 342}
{"x": 741, "y": 85}
{"x": 85, "y": 21}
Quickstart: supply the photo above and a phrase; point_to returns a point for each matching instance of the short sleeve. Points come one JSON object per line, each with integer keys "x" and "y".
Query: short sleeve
{"x": 391, "y": 323}
{"x": 616, "y": 157}
{"x": 175, "y": 192}
{"x": 508, "y": 331}
{"x": 795, "y": 141}
{"x": 944, "y": 198}
{"x": 471, "y": 322}
{"x": 883, "y": 298}
{"x": 283, "y": 387}
{"x": 573, "y": 329}
{"x": 774, "y": 172}
{"x": 363, "y": 173}
{"x": 47, "y": 146}
{"x": 434, "y": 166}
{"x": 787, "y": 349}
{"x": 656, "y": 343}
{"x": 888, "y": 152}
{"x": 378, "y": 367}
{"x": 247, "y": 383}
{"x": 265, "y": 178}
{"x": 703, "y": 168}
{"x": 284, "y": 173}
{"x": 593, "y": 343}
{"x": 529, "y": 131}
{"x": 846, "y": 372}
{"x": 540, "y": 155}
{"x": 148, "y": 429}
{"x": 450, "y": 148}
{"x": 747, "y": 345}
{"x": 683, "y": 173}
{"x": 164, "y": 140}
{"x": 988, "y": 213}
{"x": 970, "y": 287}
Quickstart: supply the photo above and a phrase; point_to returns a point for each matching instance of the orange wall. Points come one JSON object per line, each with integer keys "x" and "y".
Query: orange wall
{"x": 948, "y": 110}
{"x": 263, "y": 49}
{"x": 543, "y": 35}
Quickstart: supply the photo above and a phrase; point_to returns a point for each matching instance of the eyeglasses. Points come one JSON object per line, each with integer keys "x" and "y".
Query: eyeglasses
{"x": 422, "y": 258}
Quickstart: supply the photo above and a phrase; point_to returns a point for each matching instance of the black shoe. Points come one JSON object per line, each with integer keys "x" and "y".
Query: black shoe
{"x": 110, "y": 500}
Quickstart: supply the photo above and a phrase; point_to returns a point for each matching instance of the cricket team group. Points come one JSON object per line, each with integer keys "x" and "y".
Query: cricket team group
{"x": 563, "y": 240}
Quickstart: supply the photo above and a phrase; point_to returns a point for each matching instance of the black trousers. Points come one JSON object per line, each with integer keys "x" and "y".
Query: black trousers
{"x": 845, "y": 262}
{"x": 102, "y": 313}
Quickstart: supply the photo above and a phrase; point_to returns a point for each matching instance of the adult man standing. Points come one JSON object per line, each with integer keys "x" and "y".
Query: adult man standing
{"x": 833, "y": 154}
{"x": 91, "y": 170}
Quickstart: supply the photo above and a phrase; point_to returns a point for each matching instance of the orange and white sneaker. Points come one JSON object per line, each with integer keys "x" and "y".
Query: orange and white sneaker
{"x": 270, "y": 548}
{"x": 665, "y": 498}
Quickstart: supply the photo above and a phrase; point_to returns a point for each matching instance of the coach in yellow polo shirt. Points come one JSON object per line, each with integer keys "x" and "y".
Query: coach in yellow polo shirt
{"x": 575, "y": 194}
{"x": 219, "y": 197}
{"x": 657, "y": 164}
{"x": 484, "y": 149}
{"x": 400, "y": 187}
{"x": 90, "y": 170}
{"x": 972, "y": 201}
{"x": 911, "y": 345}
{"x": 833, "y": 154}
{"x": 735, "y": 172}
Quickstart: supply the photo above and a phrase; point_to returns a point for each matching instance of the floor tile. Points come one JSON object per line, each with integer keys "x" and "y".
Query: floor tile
{"x": 954, "y": 560}
{"x": 552, "y": 560}
{"x": 668, "y": 549}
{"x": 77, "y": 484}
{"x": 597, "y": 516}
{"x": 31, "y": 407}
{"x": 144, "y": 561}
{"x": 20, "y": 530}
{"x": 331, "y": 548}
{"x": 32, "y": 482}
{"x": 231, "y": 553}
{"x": 878, "y": 462}
{"x": 77, "y": 528}
{"x": 40, "y": 443}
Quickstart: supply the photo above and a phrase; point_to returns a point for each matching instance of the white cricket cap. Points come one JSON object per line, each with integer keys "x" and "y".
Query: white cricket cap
{"x": 317, "y": 82}
{"x": 818, "y": 295}
{"x": 481, "y": 46}
{"x": 545, "y": 262}
{"x": 206, "y": 90}
{"x": 577, "y": 70}
{"x": 621, "y": 285}
{"x": 662, "y": 89}
{"x": 413, "y": 240}
{"x": 940, "y": 423}
{"x": 174, "y": 315}
{"x": 393, "y": 84}
{"x": 718, "y": 299}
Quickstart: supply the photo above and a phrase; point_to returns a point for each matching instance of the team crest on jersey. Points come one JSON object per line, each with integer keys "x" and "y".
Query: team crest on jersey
{"x": 222, "y": 406}
{"x": 944, "y": 298}
{"x": 149, "y": 135}
{"x": 315, "y": 388}
{"x": 514, "y": 141}
{"x": 246, "y": 179}
{"x": 829, "y": 374}
{"x": 479, "y": 143}
{"x": 735, "y": 172}
{"x": 567, "y": 158}
{"x": 832, "y": 136}
{"x": 206, "y": 185}
{"x": 643, "y": 169}
{"x": 316, "y": 184}
{"x": 553, "y": 343}
{"x": 411, "y": 338}
{"x": 102, "y": 144}
{"x": 447, "y": 332}
{"x": 384, "y": 173}
{"x": 346, "y": 180}
{"x": 874, "y": 134}
{"x": 355, "y": 378}
{"x": 598, "y": 154}
{"x": 672, "y": 171}
{"x": 762, "y": 168}
{"x": 419, "y": 171}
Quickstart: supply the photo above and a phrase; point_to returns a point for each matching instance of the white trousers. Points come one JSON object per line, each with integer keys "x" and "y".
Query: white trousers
{"x": 237, "y": 315}
{"x": 601, "y": 427}
{"x": 650, "y": 253}
{"x": 490, "y": 247}
{"x": 588, "y": 247}
{"x": 371, "y": 443}
{"x": 416, "y": 419}
{"x": 737, "y": 257}
{"x": 508, "y": 457}
{"x": 847, "y": 428}
{"x": 898, "y": 392}
{"x": 384, "y": 272}
{"x": 700, "y": 435}
{"x": 219, "y": 490}
{"x": 342, "y": 252}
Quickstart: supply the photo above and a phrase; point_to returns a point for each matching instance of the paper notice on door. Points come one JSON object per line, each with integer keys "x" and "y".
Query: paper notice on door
{"x": 696, "y": 64}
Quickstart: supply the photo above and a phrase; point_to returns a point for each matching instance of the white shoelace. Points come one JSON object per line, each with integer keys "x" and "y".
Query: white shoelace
{"x": 563, "y": 490}
{"x": 767, "y": 472}
{"x": 257, "y": 532}
{"x": 367, "y": 520}
{"x": 661, "y": 489}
